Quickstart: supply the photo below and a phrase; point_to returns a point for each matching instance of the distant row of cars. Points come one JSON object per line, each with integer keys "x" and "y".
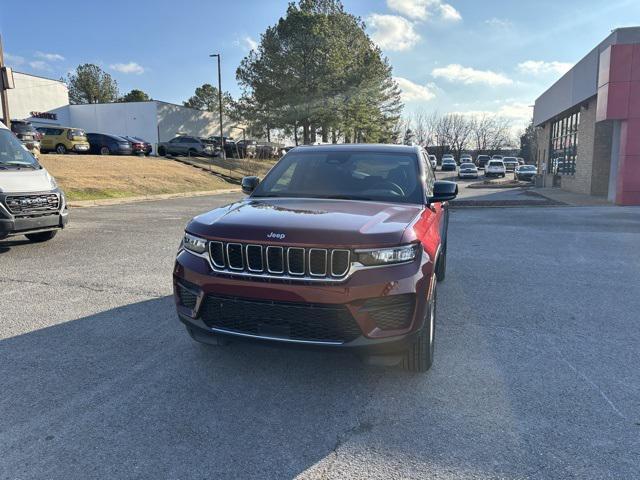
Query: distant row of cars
{"x": 62, "y": 140}
{"x": 495, "y": 166}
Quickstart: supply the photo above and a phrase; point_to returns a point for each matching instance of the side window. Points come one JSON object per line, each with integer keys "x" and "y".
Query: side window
{"x": 174, "y": 140}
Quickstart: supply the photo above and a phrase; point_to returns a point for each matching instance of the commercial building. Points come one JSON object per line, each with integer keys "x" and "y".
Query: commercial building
{"x": 45, "y": 102}
{"x": 588, "y": 123}
{"x": 34, "y": 95}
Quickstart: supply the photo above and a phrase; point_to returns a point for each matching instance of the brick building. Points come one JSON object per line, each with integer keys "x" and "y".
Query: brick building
{"x": 588, "y": 123}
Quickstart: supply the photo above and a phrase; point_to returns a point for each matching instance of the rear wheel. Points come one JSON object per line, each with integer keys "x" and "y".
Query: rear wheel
{"x": 162, "y": 151}
{"x": 61, "y": 149}
{"x": 419, "y": 356}
{"x": 42, "y": 236}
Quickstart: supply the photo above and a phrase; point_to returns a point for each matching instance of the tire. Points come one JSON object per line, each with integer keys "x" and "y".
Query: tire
{"x": 61, "y": 149}
{"x": 192, "y": 152}
{"x": 42, "y": 236}
{"x": 105, "y": 151}
{"x": 419, "y": 356}
{"x": 162, "y": 151}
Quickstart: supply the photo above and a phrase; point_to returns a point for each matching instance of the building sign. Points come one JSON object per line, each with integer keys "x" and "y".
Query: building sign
{"x": 45, "y": 115}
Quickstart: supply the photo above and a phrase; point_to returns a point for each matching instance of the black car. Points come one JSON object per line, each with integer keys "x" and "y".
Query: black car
{"x": 139, "y": 146}
{"x": 482, "y": 160}
{"x": 103, "y": 144}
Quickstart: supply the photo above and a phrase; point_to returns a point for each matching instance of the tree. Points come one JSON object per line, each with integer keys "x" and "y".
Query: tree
{"x": 135, "y": 95}
{"x": 317, "y": 70}
{"x": 206, "y": 98}
{"x": 529, "y": 144}
{"x": 90, "y": 84}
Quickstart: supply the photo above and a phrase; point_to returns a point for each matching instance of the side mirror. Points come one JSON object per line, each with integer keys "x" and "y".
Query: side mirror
{"x": 249, "y": 184}
{"x": 444, "y": 191}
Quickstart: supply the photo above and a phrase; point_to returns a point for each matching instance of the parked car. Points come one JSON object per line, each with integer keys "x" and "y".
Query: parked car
{"x": 482, "y": 160}
{"x": 448, "y": 164}
{"x": 466, "y": 158}
{"x": 526, "y": 172}
{"x": 31, "y": 203}
{"x": 353, "y": 219}
{"x": 520, "y": 161}
{"x": 495, "y": 168}
{"x": 27, "y": 134}
{"x": 267, "y": 150}
{"x": 103, "y": 144}
{"x": 467, "y": 170}
{"x": 497, "y": 157}
{"x": 247, "y": 148}
{"x": 510, "y": 163}
{"x": 447, "y": 155}
{"x": 433, "y": 161}
{"x": 187, "y": 145}
{"x": 63, "y": 139}
{"x": 139, "y": 146}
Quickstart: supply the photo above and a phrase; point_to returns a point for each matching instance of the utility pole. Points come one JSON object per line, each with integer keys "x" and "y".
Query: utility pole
{"x": 224, "y": 155}
{"x": 3, "y": 90}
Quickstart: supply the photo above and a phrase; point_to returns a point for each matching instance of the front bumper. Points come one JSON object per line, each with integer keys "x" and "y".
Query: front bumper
{"x": 351, "y": 295}
{"x": 81, "y": 147}
{"x": 11, "y": 224}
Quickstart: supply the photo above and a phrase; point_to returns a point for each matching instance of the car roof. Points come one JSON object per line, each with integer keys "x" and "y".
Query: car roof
{"x": 359, "y": 147}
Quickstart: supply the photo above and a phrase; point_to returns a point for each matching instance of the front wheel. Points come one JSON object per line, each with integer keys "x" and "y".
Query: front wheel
{"x": 105, "y": 151}
{"x": 162, "y": 151}
{"x": 61, "y": 149}
{"x": 42, "y": 236}
{"x": 419, "y": 356}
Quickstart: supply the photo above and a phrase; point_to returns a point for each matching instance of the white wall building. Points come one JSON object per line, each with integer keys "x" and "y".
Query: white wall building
{"x": 34, "y": 94}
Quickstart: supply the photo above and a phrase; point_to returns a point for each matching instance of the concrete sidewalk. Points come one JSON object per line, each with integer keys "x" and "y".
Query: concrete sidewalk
{"x": 570, "y": 198}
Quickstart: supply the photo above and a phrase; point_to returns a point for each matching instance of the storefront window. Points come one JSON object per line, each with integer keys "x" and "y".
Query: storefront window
{"x": 563, "y": 151}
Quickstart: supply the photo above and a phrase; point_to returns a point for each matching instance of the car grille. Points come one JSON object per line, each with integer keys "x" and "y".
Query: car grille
{"x": 33, "y": 204}
{"x": 392, "y": 312}
{"x": 187, "y": 296}
{"x": 277, "y": 260}
{"x": 289, "y": 321}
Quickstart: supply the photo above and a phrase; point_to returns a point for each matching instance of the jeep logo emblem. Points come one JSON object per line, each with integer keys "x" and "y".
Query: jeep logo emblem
{"x": 278, "y": 236}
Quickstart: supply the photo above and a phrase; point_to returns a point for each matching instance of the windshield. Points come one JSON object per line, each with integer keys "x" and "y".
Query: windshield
{"x": 467, "y": 165}
{"x": 13, "y": 154}
{"x": 22, "y": 128}
{"x": 392, "y": 177}
{"x": 527, "y": 168}
{"x": 496, "y": 164}
{"x": 77, "y": 132}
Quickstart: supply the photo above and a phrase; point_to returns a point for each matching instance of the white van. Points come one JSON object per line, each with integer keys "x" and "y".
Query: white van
{"x": 31, "y": 203}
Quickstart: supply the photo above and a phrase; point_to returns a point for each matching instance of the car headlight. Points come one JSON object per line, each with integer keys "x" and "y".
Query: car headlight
{"x": 194, "y": 244}
{"x": 386, "y": 256}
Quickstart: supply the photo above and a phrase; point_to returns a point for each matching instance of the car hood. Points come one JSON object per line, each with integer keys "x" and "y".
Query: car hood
{"x": 23, "y": 181}
{"x": 339, "y": 223}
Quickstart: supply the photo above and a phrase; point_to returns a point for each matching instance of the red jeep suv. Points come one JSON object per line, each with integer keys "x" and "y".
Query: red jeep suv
{"x": 340, "y": 246}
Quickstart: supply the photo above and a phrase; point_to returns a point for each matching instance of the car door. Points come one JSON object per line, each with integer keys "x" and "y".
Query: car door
{"x": 47, "y": 141}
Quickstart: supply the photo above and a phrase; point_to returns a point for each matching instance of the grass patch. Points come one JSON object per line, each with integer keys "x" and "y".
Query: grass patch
{"x": 92, "y": 177}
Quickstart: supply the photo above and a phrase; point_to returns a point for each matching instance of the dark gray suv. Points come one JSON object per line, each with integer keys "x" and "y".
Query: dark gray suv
{"x": 186, "y": 145}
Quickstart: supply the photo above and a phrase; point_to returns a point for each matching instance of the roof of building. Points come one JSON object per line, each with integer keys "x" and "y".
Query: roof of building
{"x": 581, "y": 82}
{"x": 57, "y": 80}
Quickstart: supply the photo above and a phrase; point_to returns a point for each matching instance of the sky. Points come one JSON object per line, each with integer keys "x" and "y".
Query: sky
{"x": 463, "y": 56}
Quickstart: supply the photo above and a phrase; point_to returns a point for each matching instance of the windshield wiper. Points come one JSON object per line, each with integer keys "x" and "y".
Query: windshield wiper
{"x": 7, "y": 165}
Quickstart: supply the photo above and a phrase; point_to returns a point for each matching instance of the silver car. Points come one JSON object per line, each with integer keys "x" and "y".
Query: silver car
{"x": 186, "y": 145}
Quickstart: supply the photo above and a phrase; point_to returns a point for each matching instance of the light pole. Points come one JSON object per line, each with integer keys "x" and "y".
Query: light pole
{"x": 224, "y": 155}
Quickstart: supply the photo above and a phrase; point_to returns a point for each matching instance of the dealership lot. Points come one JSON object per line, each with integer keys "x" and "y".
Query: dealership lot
{"x": 536, "y": 372}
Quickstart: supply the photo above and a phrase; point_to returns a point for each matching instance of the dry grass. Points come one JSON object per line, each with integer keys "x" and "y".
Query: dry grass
{"x": 233, "y": 167}
{"x": 89, "y": 177}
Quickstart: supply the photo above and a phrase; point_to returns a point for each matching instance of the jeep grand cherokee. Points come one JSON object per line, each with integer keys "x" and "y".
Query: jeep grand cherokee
{"x": 340, "y": 246}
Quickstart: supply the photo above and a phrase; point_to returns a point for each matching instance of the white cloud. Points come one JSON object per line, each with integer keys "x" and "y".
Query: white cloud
{"x": 467, "y": 75}
{"x": 423, "y": 9}
{"x": 40, "y": 65}
{"x": 51, "y": 57}
{"x": 499, "y": 22}
{"x": 392, "y": 32}
{"x": 414, "y": 92}
{"x": 539, "y": 67}
{"x": 131, "y": 67}
{"x": 13, "y": 59}
{"x": 246, "y": 43}
{"x": 513, "y": 111}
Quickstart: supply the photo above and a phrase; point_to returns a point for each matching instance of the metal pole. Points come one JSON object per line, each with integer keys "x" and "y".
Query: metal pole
{"x": 3, "y": 92}
{"x": 222, "y": 142}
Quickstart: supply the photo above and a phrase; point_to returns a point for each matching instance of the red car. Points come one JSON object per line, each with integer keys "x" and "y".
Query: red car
{"x": 340, "y": 246}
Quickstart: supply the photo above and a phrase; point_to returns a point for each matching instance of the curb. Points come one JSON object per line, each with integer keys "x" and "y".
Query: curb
{"x": 146, "y": 198}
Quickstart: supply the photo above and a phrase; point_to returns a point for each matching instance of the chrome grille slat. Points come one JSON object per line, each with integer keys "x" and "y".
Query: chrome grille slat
{"x": 276, "y": 261}
{"x": 33, "y": 204}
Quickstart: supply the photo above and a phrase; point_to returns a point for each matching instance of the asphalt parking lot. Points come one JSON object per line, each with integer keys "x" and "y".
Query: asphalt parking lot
{"x": 536, "y": 375}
